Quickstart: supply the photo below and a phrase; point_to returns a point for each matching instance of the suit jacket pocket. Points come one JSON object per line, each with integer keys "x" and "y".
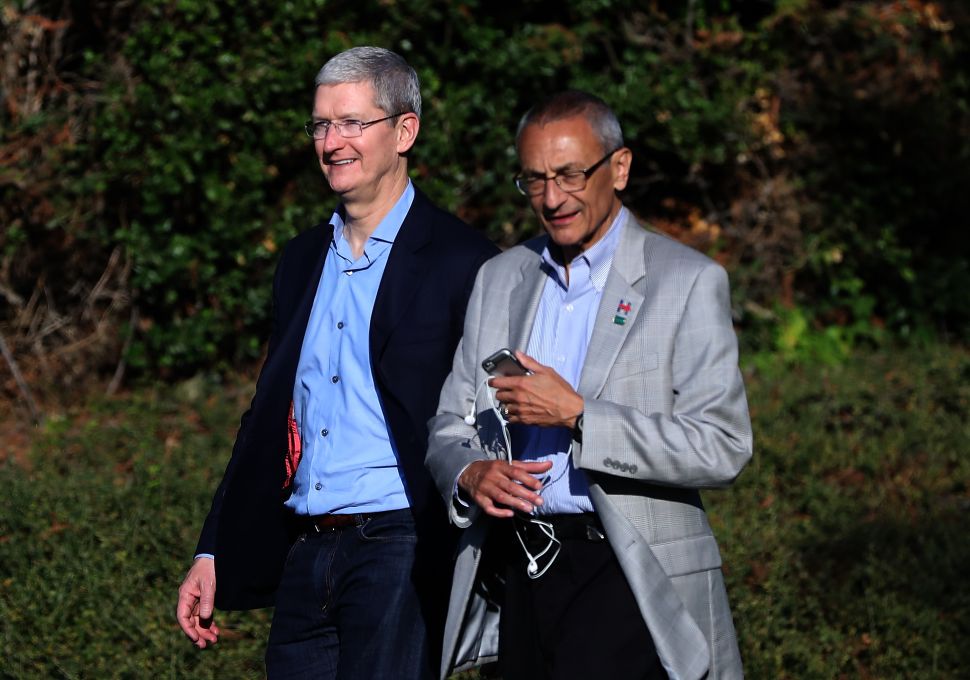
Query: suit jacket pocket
{"x": 633, "y": 363}
{"x": 688, "y": 555}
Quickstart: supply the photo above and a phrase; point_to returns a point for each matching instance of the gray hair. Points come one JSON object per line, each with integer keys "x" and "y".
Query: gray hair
{"x": 576, "y": 103}
{"x": 396, "y": 87}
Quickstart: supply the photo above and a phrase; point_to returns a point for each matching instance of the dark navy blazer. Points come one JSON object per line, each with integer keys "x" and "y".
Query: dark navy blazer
{"x": 415, "y": 327}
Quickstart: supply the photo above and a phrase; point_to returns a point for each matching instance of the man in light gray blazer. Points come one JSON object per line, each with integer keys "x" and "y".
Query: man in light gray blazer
{"x": 586, "y": 551}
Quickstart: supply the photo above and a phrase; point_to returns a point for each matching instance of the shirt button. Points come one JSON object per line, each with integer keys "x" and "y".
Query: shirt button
{"x": 324, "y": 432}
{"x": 318, "y": 486}
{"x": 349, "y": 272}
{"x": 340, "y": 324}
{"x": 569, "y": 308}
{"x": 335, "y": 379}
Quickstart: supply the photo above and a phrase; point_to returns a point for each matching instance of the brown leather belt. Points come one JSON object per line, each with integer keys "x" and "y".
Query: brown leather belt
{"x": 331, "y": 522}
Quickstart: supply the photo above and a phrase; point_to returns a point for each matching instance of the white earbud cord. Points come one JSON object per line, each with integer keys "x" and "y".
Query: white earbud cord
{"x": 532, "y": 568}
{"x": 471, "y": 418}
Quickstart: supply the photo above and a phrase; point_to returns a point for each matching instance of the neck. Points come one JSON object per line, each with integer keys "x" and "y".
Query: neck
{"x": 561, "y": 257}
{"x": 567, "y": 253}
{"x": 362, "y": 216}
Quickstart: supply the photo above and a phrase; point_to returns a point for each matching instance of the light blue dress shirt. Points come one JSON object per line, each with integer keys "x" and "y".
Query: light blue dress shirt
{"x": 559, "y": 339}
{"x": 349, "y": 461}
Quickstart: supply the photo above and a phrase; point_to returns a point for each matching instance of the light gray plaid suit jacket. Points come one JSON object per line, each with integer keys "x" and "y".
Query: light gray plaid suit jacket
{"x": 665, "y": 415}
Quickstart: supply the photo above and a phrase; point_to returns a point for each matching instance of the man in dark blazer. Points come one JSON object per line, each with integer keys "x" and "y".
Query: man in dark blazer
{"x": 326, "y": 511}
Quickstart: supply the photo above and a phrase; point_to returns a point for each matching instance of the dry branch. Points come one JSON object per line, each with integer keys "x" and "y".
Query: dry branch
{"x": 35, "y": 413}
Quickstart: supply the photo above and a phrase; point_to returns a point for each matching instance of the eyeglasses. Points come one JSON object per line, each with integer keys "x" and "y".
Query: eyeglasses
{"x": 317, "y": 129}
{"x": 570, "y": 182}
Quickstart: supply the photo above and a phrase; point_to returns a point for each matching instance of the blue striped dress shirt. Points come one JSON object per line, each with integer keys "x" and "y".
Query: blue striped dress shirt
{"x": 560, "y": 336}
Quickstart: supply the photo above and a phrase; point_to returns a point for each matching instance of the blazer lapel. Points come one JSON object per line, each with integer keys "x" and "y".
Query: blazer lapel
{"x": 404, "y": 272}
{"x": 525, "y": 302}
{"x": 618, "y": 309}
{"x": 308, "y": 279}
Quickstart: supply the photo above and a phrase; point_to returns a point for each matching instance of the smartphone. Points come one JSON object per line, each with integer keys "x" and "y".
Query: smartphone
{"x": 503, "y": 363}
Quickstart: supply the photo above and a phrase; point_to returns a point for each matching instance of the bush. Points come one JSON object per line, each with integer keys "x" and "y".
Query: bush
{"x": 97, "y": 531}
{"x": 843, "y": 541}
{"x": 155, "y": 160}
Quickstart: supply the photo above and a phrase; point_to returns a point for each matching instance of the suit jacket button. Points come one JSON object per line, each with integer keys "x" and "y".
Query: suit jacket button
{"x": 633, "y": 469}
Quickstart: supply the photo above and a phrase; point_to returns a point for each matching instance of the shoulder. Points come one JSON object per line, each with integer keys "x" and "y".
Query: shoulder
{"x": 661, "y": 252}
{"x": 448, "y": 232}
{"x": 677, "y": 271}
{"x": 317, "y": 236}
{"x": 518, "y": 257}
{"x": 304, "y": 249}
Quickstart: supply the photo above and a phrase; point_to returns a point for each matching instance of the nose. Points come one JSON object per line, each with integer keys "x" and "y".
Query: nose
{"x": 552, "y": 195}
{"x": 330, "y": 140}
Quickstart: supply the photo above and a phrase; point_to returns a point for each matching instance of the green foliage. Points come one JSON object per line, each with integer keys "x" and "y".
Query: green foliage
{"x": 794, "y": 337}
{"x": 97, "y": 531}
{"x": 879, "y": 100}
{"x": 843, "y": 542}
{"x": 819, "y": 150}
{"x": 195, "y": 148}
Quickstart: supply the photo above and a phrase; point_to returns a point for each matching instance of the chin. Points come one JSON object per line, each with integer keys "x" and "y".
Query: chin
{"x": 340, "y": 186}
{"x": 564, "y": 238}
{"x": 340, "y": 180}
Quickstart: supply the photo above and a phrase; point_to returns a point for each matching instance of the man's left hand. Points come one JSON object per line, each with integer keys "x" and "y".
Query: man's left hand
{"x": 543, "y": 398}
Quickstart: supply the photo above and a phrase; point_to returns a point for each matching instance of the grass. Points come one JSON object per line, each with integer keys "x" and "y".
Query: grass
{"x": 844, "y": 541}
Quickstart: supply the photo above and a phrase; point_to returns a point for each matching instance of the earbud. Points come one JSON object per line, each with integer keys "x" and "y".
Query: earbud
{"x": 470, "y": 419}
{"x": 533, "y": 567}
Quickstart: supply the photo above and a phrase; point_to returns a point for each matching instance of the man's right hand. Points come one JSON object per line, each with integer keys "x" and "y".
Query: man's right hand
{"x": 499, "y": 487}
{"x": 196, "y": 596}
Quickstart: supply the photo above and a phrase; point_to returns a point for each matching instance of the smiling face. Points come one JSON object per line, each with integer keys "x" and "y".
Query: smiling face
{"x": 574, "y": 221}
{"x": 362, "y": 169}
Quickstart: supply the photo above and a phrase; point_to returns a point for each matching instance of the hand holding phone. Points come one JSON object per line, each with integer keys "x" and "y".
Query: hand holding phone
{"x": 504, "y": 363}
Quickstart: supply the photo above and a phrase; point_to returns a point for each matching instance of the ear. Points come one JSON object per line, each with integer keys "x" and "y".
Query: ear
{"x": 408, "y": 126}
{"x": 620, "y": 166}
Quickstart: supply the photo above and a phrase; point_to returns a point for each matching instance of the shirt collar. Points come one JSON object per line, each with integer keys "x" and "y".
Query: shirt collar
{"x": 388, "y": 227}
{"x": 598, "y": 258}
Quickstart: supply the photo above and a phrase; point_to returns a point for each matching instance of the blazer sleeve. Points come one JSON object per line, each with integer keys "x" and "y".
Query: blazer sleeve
{"x": 207, "y": 537}
{"x": 452, "y": 443}
{"x": 704, "y": 439}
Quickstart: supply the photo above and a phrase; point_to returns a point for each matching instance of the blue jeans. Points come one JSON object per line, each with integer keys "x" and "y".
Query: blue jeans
{"x": 347, "y": 607}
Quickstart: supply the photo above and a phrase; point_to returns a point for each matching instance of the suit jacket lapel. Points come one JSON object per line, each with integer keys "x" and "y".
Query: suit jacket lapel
{"x": 404, "y": 272}
{"x": 618, "y": 309}
{"x": 292, "y": 339}
{"x": 525, "y": 302}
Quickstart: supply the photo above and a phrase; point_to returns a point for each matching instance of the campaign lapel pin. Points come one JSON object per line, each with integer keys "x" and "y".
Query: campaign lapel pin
{"x": 622, "y": 311}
